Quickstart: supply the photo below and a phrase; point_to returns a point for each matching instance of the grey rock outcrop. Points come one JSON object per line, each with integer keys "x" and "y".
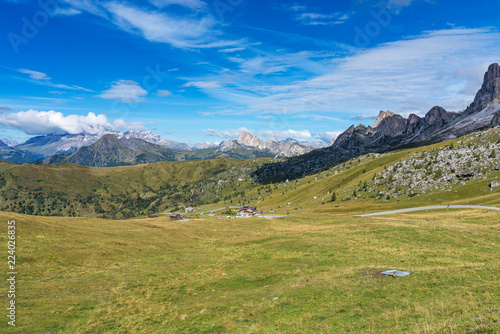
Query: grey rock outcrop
{"x": 382, "y": 114}
{"x": 287, "y": 148}
{"x": 228, "y": 145}
{"x": 489, "y": 92}
{"x": 496, "y": 119}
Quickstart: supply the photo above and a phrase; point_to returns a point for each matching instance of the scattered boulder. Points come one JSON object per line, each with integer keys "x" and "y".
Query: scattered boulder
{"x": 496, "y": 120}
{"x": 494, "y": 184}
{"x": 465, "y": 175}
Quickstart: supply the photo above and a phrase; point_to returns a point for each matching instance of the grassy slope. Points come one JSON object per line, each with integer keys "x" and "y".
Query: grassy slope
{"x": 81, "y": 275}
{"x": 75, "y": 189}
{"x": 301, "y": 192}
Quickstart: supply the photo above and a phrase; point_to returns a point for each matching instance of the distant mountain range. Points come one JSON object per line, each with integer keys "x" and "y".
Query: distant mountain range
{"x": 391, "y": 131}
{"x": 56, "y": 144}
{"x": 287, "y": 148}
{"x": 10, "y": 142}
{"x": 16, "y": 155}
{"x": 110, "y": 151}
{"x": 53, "y": 148}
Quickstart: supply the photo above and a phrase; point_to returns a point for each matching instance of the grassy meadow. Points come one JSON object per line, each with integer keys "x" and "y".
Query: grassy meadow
{"x": 308, "y": 272}
{"x": 314, "y": 270}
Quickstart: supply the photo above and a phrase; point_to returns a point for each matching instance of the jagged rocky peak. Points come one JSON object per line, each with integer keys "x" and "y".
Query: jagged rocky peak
{"x": 360, "y": 127}
{"x": 108, "y": 139}
{"x": 228, "y": 145}
{"x": 248, "y": 139}
{"x": 489, "y": 92}
{"x": 392, "y": 125}
{"x": 492, "y": 80}
{"x": 438, "y": 115}
{"x": 412, "y": 119}
{"x": 381, "y": 115}
{"x": 288, "y": 148}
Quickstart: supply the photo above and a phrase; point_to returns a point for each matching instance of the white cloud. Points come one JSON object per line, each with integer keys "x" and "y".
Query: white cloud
{"x": 122, "y": 125}
{"x": 398, "y": 4}
{"x": 203, "y": 84}
{"x": 327, "y": 136}
{"x": 281, "y": 135}
{"x": 35, "y": 75}
{"x": 309, "y": 15}
{"x": 88, "y": 6}
{"x": 364, "y": 117}
{"x": 318, "y": 118}
{"x": 163, "y": 93}
{"x": 126, "y": 91}
{"x": 317, "y": 19}
{"x": 435, "y": 66}
{"x": 295, "y": 8}
{"x": 232, "y": 50}
{"x": 193, "y": 4}
{"x": 225, "y": 134}
{"x": 41, "y": 78}
{"x": 33, "y": 122}
{"x": 180, "y": 32}
{"x": 67, "y": 11}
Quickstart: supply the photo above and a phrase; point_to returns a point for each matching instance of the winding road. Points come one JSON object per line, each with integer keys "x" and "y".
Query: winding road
{"x": 429, "y": 208}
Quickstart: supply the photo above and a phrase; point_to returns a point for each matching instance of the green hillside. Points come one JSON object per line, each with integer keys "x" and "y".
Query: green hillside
{"x": 420, "y": 176}
{"x": 118, "y": 192}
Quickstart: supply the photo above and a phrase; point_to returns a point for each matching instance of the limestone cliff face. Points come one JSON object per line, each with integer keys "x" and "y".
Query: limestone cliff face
{"x": 288, "y": 149}
{"x": 382, "y": 114}
{"x": 489, "y": 92}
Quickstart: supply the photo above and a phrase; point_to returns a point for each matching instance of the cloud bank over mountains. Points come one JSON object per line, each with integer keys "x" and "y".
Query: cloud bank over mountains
{"x": 33, "y": 122}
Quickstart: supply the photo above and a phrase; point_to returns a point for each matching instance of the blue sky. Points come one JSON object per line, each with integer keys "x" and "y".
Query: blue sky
{"x": 202, "y": 71}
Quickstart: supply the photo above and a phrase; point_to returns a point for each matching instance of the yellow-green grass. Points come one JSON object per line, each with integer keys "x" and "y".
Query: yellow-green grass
{"x": 305, "y": 273}
{"x": 73, "y": 190}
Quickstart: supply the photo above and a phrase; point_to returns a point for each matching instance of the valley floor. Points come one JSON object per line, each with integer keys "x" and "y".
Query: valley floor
{"x": 308, "y": 272}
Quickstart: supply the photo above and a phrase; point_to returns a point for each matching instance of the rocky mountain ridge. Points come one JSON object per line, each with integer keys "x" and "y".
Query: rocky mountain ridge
{"x": 49, "y": 145}
{"x": 392, "y": 131}
{"x": 111, "y": 151}
{"x": 287, "y": 148}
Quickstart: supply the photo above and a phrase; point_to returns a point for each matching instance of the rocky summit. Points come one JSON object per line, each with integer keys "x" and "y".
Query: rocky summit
{"x": 489, "y": 92}
{"x": 286, "y": 148}
{"x": 382, "y": 114}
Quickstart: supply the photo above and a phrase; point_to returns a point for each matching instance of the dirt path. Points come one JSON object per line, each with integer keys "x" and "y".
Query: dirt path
{"x": 430, "y": 208}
